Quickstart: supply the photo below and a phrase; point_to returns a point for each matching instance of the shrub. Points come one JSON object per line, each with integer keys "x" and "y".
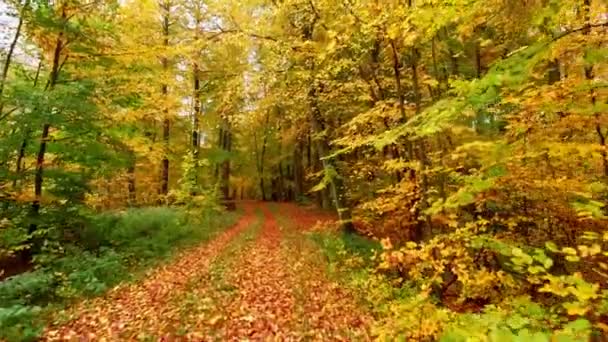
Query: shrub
{"x": 19, "y": 323}
{"x": 27, "y": 288}
{"x": 104, "y": 252}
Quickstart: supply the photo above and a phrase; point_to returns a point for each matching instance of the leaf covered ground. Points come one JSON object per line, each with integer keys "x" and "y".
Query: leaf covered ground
{"x": 259, "y": 280}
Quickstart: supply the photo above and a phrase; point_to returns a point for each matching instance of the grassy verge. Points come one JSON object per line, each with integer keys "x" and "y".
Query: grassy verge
{"x": 113, "y": 248}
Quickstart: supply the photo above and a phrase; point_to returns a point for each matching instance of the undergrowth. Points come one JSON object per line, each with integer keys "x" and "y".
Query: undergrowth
{"x": 405, "y": 312}
{"x": 112, "y": 248}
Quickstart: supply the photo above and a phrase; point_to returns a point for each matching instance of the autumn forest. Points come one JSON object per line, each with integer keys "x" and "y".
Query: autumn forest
{"x": 317, "y": 170}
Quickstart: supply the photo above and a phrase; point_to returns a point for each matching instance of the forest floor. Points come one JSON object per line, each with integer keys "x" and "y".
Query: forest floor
{"x": 260, "y": 280}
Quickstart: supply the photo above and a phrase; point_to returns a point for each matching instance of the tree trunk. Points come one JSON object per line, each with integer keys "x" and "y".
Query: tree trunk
{"x": 589, "y": 75}
{"x": 20, "y": 157}
{"x": 226, "y": 166}
{"x": 196, "y": 142}
{"x": 164, "y": 182}
{"x": 298, "y": 172}
{"x": 397, "y": 75}
{"x": 337, "y": 188}
{"x": 261, "y": 162}
{"x": 9, "y": 55}
{"x": 39, "y": 179}
{"x": 478, "y": 66}
{"x": 220, "y": 145}
{"x": 132, "y": 199}
{"x": 281, "y": 183}
{"x": 196, "y": 97}
{"x": 39, "y": 175}
{"x": 415, "y": 81}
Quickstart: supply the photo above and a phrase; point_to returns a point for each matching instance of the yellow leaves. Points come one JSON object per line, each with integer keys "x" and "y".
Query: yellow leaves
{"x": 393, "y": 31}
{"x": 569, "y": 250}
{"x": 386, "y": 243}
{"x": 576, "y": 308}
{"x": 586, "y": 251}
{"x": 215, "y": 319}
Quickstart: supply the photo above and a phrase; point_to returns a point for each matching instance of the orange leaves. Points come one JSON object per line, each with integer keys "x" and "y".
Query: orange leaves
{"x": 270, "y": 287}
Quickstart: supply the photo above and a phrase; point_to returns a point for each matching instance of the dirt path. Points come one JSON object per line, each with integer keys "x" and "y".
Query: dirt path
{"x": 259, "y": 280}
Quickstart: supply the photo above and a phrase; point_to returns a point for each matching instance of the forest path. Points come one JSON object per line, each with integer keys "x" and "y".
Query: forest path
{"x": 261, "y": 280}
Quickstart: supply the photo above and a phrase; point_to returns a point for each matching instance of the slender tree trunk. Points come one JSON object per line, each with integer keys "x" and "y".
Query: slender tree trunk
{"x": 415, "y": 81}
{"x": 164, "y": 182}
{"x": 39, "y": 175}
{"x": 196, "y": 115}
{"x": 281, "y": 183}
{"x": 220, "y": 144}
{"x": 589, "y": 75}
{"x": 196, "y": 143}
{"x": 337, "y": 188}
{"x": 478, "y": 65}
{"x": 316, "y": 167}
{"x": 262, "y": 160}
{"x": 397, "y": 74}
{"x": 308, "y": 150}
{"x": 9, "y": 55}
{"x": 454, "y": 66}
{"x": 21, "y": 154}
{"x": 20, "y": 157}
{"x": 438, "y": 74}
{"x": 298, "y": 172}
{"x": 196, "y": 97}
{"x": 226, "y": 165}
{"x": 132, "y": 192}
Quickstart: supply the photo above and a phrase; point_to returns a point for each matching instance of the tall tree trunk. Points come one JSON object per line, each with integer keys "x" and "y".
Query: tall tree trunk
{"x": 9, "y": 55}
{"x": 196, "y": 97}
{"x": 397, "y": 75}
{"x": 20, "y": 157}
{"x": 337, "y": 188}
{"x": 441, "y": 80}
{"x": 281, "y": 183}
{"x": 415, "y": 81}
{"x": 220, "y": 145}
{"x": 164, "y": 182}
{"x": 478, "y": 65}
{"x": 589, "y": 75}
{"x": 27, "y": 133}
{"x": 316, "y": 167}
{"x": 132, "y": 192}
{"x": 262, "y": 160}
{"x": 298, "y": 172}
{"x": 308, "y": 150}
{"x": 196, "y": 142}
{"x": 40, "y": 157}
{"x": 226, "y": 165}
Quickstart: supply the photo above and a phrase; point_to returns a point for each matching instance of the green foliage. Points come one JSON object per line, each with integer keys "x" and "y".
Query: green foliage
{"x": 110, "y": 249}
{"x": 20, "y": 323}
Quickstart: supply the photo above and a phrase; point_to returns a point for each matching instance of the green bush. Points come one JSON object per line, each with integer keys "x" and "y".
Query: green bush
{"x": 27, "y": 288}
{"x": 105, "y": 251}
{"x": 20, "y": 323}
{"x": 89, "y": 274}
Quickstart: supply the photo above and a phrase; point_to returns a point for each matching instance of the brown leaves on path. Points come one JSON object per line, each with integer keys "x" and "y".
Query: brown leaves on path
{"x": 264, "y": 305}
{"x": 283, "y": 293}
{"x": 272, "y": 288}
{"x": 331, "y": 311}
{"x": 130, "y": 309}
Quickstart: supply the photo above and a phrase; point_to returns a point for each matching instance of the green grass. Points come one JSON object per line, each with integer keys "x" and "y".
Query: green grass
{"x": 112, "y": 248}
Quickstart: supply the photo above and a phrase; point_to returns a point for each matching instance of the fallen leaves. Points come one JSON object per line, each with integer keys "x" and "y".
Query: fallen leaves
{"x": 261, "y": 288}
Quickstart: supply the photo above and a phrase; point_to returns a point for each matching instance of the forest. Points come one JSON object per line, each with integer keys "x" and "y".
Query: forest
{"x": 317, "y": 170}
